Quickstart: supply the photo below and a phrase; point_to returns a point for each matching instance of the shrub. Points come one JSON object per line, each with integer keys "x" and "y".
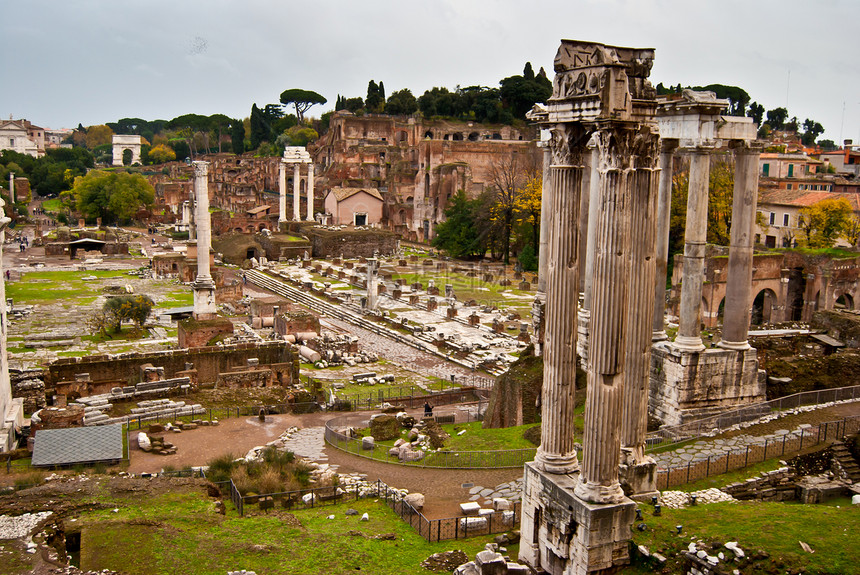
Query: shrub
{"x": 221, "y": 467}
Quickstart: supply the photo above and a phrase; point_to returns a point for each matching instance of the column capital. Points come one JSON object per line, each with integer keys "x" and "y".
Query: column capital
{"x": 201, "y": 168}
{"x": 746, "y": 146}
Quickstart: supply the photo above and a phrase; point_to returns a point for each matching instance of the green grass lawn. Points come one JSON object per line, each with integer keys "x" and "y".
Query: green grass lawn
{"x": 776, "y": 528}
{"x": 40, "y": 287}
{"x": 180, "y": 533}
{"x": 478, "y": 439}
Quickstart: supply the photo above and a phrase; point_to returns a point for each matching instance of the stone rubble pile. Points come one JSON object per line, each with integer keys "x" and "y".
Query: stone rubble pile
{"x": 703, "y": 563}
{"x": 681, "y": 499}
{"x": 20, "y": 525}
{"x": 777, "y": 485}
{"x": 493, "y": 560}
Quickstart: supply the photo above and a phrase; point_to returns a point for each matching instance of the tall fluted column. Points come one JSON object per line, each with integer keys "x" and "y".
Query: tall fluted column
{"x": 557, "y": 452}
{"x": 296, "y": 192}
{"x": 664, "y": 216}
{"x": 736, "y": 317}
{"x": 11, "y": 189}
{"x": 539, "y": 303}
{"x": 695, "y": 241}
{"x": 5, "y": 385}
{"x": 608, "y": 333}
{"x": 204, "y": 287}
{"x": 640, "y": 313}
{"x": 310, "y": 192}
{"x": 282, "y": 192}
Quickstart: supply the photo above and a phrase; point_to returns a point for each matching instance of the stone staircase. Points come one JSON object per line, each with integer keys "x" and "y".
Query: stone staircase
{"x": 844, "y": 464}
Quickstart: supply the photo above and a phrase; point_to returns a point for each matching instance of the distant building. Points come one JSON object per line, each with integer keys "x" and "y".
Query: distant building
{"x": 846, "y": 160}
{"x": 354, "y": 206}
{"x": 23, "y": 137}
{"x": 778, "y": 225}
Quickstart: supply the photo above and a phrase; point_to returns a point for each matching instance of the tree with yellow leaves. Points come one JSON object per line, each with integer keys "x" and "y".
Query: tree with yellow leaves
{"x": 509, "y": 177}
{"x": 822, "y": 223}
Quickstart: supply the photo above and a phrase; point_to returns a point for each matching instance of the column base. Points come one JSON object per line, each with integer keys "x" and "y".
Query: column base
{"x": 688, "y": 343}
{"x": 638, "y": 477}
{"x": 734, "y": 345}
{"x": 557, "y": 464}
{"x": 600, "y": 494}
{"x": 659, "y": 336}
{"x": 564, "y": 535}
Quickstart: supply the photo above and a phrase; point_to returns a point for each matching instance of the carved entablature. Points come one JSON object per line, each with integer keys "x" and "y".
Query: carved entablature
{"x": 595, "y": 81}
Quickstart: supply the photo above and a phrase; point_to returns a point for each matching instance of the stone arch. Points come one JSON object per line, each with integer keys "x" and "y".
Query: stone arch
{"x": 497, "y": 136}
{"x": 844, "y": 301}
{"x": 457, "y": 136}
{"x": 762, "y": 307}
{"x": 250, "y": 229}
{"x": 796, "y": 289}
{"x": 238, "y": 230}
{"x": 473, "y": 137}
{"x": 402, "y": 136}
{"x": 401, "y": 217}
{"x": 721, "y": 310}
{"x": 261, "y": 227}
{"x": 428, "y": 135}
{"x": 410, "y": 200}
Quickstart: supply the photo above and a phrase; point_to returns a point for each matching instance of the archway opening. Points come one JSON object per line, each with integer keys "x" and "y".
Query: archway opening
{"x": 762, "y": 307}
{"x": 845, "y": 301}
{"x": 796, "y": 289}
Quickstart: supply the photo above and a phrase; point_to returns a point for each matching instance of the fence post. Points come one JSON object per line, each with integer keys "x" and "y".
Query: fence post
{"x": 786, "y": 436}
{"x": 801, "y": 438}
{"x": 747, "y": 456}
{"x": 688, "y": 472}
{"x": 708, "y": 471}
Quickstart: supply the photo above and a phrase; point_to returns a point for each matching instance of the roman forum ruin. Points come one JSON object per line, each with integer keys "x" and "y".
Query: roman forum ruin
{"x": 606, "y": 210}
{"x": 204, "y": 286}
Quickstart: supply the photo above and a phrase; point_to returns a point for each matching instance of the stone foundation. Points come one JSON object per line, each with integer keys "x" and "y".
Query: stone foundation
{"x": 198, "y": 333}
{"x": 690, "y": 385}
{"x": 564, "y": 535}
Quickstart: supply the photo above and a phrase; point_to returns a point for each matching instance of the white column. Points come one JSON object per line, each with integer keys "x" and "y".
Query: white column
{"x": 11, "y": 188}
{"x": 296, "y": 193}
{"x": 5, "y": 386}
{"x": 310, "y": 192}
{"x": 204, "y": 287}
{"x": 664, "y": 216}
{"x": 282, "y": 191}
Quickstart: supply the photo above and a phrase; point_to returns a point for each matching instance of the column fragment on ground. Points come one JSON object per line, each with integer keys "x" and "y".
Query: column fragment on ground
{"x": 736, "y": 317}
{"x": 203, "y": 286}
{"x": 695, "y": 242}
{"x": 557, "y": 453}
{"x": 664, "y": 217}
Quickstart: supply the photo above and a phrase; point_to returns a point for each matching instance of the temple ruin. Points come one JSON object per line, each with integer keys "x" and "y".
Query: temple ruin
{"x": 11, "y": 409}
{"x": 296, "y": 156}
{"x": 604, "y": 146}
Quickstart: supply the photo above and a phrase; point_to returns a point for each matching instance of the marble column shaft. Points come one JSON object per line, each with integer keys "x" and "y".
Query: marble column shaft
{"x": 12, "y": 187}
{"x": 640, "y": 312}
{"x": 545, "y": 215}
{"x": 310, "y": 192}
{"x": 204, "y": 231}
{"x": 296, "y": 192}
{"x": 282, "y": 191}
{"x": 695, "y": 241}
{"x": 606, "y": 355}
{"x": 736, "y": 317}
{"x": 557, "y": 453}
{"x": 664, "y": 217}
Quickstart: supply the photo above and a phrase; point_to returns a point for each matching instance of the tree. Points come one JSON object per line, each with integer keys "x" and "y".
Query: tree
{"x": 302, "y": 100}
{"x": 401, "y": 102}
{"x": 161, "y": 153}
{"x": 520, "y": 93}
{"x": 824, "y": 222}
{"x": 187, "y": 126}
{"x": 219, "y": 123}
{"x": 811, "y": 131}
{"x": 776, "y": 118}
{"x": 508, "y": 177}
{"x": 237, "y": 136}
{"x": 527, "y": 208}
{"x": 134, "y": 308}
{"x": 458, "y": 235}
{"x": 114, "y": 196}
{"x": 375, "y": 100}
{"x": 98, "y": 136}
{"x": 756, "y": 112}
{"x": 301, "y": 135}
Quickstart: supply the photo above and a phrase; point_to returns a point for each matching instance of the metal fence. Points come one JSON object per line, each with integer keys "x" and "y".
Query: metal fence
{"x": 430, "y": 529}
{"x": 752, "y": 454}
{"x": 719, "y": 423}
{"x": 338, "y": 435}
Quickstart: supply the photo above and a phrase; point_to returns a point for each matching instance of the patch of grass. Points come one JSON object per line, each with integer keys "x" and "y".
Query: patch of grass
{"x": 168, "y": 532}
{"x": 478, "y": 439}
{"x": 775, "y": 528}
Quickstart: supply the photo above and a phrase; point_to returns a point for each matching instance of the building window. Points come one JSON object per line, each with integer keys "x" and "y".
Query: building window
{"x": 785, "y": 220}
{"x": 12, "y": 142}
{"x": 772, "y": 219}
{"x": 788, "y": 186}
{"x": 791, "y": 170}
{"x": 765, "y": 169}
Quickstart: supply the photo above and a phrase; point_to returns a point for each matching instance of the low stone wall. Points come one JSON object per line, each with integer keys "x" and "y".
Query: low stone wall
{"x": 777, "y": 485}
{"x": 124, "y": 369}
{"x": 199, "y": 333}
{"x": 29, "y": 386}
{"x": 351, "y": 244}
{"x": 246, "y": 378}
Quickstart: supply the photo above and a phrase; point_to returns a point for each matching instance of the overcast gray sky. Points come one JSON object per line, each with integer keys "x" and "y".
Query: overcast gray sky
{"x": 95, "y": 61}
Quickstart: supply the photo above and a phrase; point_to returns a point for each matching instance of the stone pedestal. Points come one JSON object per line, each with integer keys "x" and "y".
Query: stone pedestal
{"x": 564, "y": 535}
{"x": 691, "y": 385}
{"x": 638, "y": 477}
